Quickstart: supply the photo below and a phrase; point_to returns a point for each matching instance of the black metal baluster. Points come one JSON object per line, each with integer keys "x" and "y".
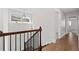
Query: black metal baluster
{"x": 10, "y": 42}
{"x": 24, "y": 37}
{"x": 24, "y": 43}
{"x": 15, "y": 42}
{"x": 3, "y": 43}
{"x": 33, "y": 43}
{"x": 27, "y": 48}
{"x": 27, "y": 40}
{"x": 27, "y": 36}
{"x": 30, "y": 42}
{"x": 29, "y": 45}
{"x": 20, "y": 41}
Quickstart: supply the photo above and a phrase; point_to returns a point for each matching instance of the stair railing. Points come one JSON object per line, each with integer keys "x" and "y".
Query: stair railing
{"x": 31, "y": 40}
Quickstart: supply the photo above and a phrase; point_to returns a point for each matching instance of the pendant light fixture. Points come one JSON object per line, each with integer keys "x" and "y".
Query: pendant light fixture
{"x": 25, "y": 18}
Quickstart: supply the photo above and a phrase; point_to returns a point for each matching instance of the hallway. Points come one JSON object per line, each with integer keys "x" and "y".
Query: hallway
{"x": 55, "y": 23}
{"x": 69, "y": 42}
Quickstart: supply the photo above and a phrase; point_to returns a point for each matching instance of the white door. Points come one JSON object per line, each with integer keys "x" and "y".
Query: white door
{"x": 72, "y": 25}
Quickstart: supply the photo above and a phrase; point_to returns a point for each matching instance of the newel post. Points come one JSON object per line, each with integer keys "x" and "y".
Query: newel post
{"x": 40, "y": 29}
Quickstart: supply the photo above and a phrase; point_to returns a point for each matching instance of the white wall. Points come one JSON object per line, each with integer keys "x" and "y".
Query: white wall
{"x": 47, "y": 18}
{"x": 13, "y": 27}
{"x": 16, "y": 26}
{"x": 1, "y": 24}
{"x": 1, "y": 28}
{"x": 4, "y": 26}
{"x": 62, "y": 24}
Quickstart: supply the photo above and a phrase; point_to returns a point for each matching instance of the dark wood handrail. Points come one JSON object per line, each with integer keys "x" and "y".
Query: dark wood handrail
{"x": 12, "y": 33}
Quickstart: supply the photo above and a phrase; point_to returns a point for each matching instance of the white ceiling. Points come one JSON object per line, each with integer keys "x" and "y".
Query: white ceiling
{"x": 67, "y": 10}
{"x": 23, "y": 10}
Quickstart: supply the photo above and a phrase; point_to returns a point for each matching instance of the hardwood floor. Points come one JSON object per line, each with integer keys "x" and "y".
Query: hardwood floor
{"x": 69, "y": 42}
{"x": 49, "y": 47}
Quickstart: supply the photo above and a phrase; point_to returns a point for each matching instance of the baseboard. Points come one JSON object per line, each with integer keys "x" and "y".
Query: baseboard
{"x": 54, "y": 41}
